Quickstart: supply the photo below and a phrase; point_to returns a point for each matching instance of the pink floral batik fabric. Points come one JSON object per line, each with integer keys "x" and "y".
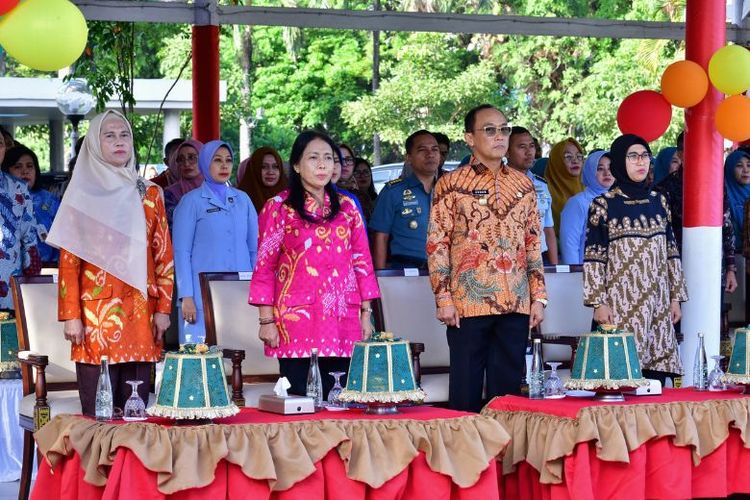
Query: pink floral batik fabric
{"x": 315, "y": 275}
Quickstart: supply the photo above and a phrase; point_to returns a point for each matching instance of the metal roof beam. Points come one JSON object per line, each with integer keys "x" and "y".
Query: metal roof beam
{"x": 185, "y": 13}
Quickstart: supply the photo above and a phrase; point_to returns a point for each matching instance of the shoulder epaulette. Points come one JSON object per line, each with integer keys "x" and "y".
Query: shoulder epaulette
{"x": 394, "y": 181}
{"x": 539, "y": 178}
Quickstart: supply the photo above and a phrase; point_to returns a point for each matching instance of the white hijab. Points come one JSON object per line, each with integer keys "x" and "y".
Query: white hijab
{"x": 101, "y": 218}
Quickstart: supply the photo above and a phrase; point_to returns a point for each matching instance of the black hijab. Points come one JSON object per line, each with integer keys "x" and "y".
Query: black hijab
{"x": 617, "y": 152}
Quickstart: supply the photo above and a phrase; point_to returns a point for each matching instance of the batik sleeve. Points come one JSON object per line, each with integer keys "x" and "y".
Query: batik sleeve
{"x": 364, "y": 272}
{"x": 161, "y": 249}
{"x": 271, "y": 224}
{"x": 439, "y": 235}
{"x": 68, "y": 287}
{"x": 32, "y": 262}
{"x": 596, "y": 254}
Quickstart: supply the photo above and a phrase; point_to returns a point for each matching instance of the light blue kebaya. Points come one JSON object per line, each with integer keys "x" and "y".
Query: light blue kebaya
{"x": 215, "y": 230}
{"x": 575, "y": 214}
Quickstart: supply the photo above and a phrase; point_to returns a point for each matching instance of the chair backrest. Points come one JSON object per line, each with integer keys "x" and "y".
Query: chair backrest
{"x": 39, "y": 331}
{"x": 407, "y": 308}
{"x": 565, "y": 314}
{"x": 233, "y": 323}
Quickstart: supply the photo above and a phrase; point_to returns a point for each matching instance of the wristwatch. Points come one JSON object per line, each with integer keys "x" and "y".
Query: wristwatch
{"x": 542, "y": 301}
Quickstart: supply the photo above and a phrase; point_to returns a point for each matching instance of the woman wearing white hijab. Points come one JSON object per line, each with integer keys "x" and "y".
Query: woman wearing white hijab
{"x": 116, "y": 266}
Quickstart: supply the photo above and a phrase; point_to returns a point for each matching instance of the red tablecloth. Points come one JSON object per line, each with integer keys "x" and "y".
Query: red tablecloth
{"x": 656, "y": 469}
{"x": 570, "y": 406}
{"x": 128, "y": 478}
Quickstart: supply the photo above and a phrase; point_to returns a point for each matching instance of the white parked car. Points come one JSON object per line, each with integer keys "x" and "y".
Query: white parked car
{"x": 389, "y": 171}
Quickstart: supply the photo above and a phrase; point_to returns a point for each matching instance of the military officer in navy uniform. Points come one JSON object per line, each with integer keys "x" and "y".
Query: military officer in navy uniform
{"x": 520, "y": 155}
{"x": 402, "y": 212}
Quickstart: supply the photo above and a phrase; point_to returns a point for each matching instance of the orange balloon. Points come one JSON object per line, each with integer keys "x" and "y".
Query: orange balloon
{"x": 684, "y": 84}
{"x": 732, "y": 118}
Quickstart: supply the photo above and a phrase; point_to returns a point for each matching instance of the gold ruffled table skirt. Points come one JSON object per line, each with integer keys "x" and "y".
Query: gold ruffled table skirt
{"x": 282, "y": 450}
{"x": 545, "y": 432}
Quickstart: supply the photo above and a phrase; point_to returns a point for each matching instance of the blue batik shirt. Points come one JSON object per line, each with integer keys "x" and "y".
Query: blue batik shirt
{"x": 45, "y": 209}
{"x": 18, "y": 246}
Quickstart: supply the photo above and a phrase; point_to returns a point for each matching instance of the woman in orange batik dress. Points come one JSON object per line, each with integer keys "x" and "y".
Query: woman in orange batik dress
{"x": 116, "y": 266}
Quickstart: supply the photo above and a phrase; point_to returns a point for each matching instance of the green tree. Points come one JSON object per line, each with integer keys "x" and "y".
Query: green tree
{"x": 432, "y": 85}
{"x": 331, "y": 69}
{"x": 566, "y": 86}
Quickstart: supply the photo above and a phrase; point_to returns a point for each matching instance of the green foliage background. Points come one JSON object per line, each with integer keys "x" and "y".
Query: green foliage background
{"x": 555, "y": 86}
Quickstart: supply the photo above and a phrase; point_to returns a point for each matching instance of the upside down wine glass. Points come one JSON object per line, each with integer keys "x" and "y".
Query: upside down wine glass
{"x": 135, "y": 408}
{"x": 553, "y": 386}
{"x": 335, "y": 392}
{"x": 714, "y": 378}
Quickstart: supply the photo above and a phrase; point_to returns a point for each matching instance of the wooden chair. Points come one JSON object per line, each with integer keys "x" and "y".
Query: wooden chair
{"x": 231, "y": 321}
{"x": 407, "y": 308}
{"x": 48, "y": 375}
{"x": 565, "y": 317}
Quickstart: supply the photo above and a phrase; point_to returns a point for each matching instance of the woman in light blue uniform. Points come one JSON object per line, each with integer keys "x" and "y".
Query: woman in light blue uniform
{"x": 215, "y": 229}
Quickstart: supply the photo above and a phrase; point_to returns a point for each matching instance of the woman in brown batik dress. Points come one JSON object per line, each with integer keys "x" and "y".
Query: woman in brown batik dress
{"x": 632, "y": 271}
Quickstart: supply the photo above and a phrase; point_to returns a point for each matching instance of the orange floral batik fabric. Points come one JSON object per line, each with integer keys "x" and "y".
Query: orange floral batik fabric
{"x": 483, "y": 243}
{"x": 116, "y": 317}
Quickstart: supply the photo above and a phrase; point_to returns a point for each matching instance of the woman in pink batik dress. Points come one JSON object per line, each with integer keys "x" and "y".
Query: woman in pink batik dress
{"x": 313, "y": 279}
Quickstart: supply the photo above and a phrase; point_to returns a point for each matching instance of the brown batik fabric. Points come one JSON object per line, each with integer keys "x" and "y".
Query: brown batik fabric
{"x": 632, "y": 265}
{"x": 483, "y": 242}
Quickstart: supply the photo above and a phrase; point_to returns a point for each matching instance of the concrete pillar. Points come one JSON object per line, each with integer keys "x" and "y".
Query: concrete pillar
{"x": 57, "y": 159}
{"x": 171, "y": 126}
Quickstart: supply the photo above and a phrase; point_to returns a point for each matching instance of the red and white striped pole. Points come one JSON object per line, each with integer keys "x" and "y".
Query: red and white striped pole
{"x": 703, "y": 190}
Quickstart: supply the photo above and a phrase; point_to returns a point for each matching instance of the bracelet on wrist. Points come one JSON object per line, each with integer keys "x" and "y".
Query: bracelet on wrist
{"x": 266, "y": 321}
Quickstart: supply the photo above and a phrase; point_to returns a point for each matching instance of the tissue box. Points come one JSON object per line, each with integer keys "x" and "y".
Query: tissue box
{"x": 289, "y": 405}
{"x": 652, "y": 389}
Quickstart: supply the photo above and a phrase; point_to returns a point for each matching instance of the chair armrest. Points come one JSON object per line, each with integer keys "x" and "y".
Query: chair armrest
{"x": 33, "y": 359}
{"x": 237, "y": 356}
{"x": 417, "y": 348}
{"x": 41, "y": 407}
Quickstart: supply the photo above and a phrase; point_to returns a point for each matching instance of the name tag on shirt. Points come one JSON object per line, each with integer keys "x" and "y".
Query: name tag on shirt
{"x": 411, "y": 203}
{"x": 211, "y": 210}
{"x": 480, "y": 192}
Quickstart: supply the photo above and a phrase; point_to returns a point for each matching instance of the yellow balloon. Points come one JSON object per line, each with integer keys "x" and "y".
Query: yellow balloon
{"x": 729, "y": 69}
{"x": 44, "y": 34}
